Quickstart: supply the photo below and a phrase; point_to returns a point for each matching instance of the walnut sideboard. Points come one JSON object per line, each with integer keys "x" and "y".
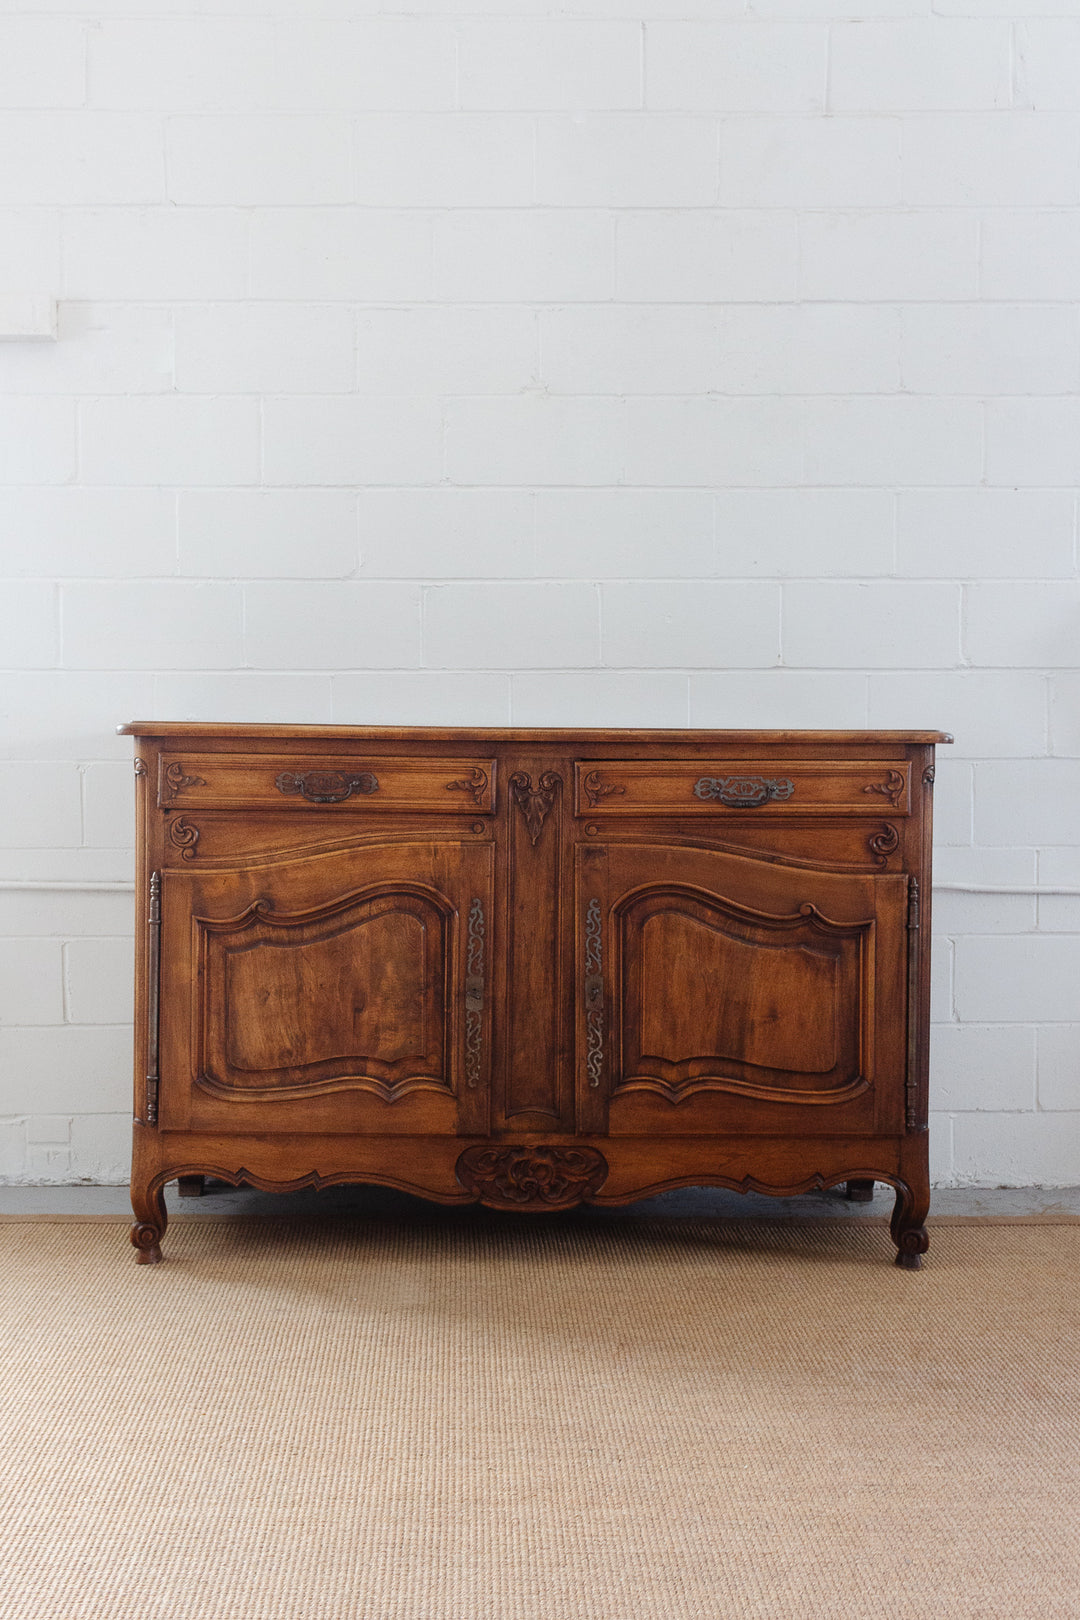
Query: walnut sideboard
{"x": 532, "y": 968}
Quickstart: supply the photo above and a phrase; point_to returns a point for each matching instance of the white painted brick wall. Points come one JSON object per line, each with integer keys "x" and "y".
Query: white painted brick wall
{"x": 566, "y": 362}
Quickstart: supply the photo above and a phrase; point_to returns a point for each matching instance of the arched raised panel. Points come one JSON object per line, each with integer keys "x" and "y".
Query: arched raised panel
{"x": 711, "y": 995}
{"x": 374, "y": 964}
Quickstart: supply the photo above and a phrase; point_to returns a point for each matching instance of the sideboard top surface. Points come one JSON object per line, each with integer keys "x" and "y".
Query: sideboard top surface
{"x": 697, "y": 738}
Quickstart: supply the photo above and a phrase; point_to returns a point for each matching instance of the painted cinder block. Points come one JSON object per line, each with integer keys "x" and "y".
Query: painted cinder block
{"x": 175, "y": 624}
{"x": 983, "y": 1067}
{"x": 659, "y": 624}
{"x": 98, "y": 979}
{"x": 920, "y": 65}
{"x": 880, "y": 624}
{"x": 155, "y": 253}
{"x": 549, "y": 64}
{"x": 340, "y": 625}
{"x": 447, "y": 533}
{"x": 351, "y": 441}
{"x": 723, "y": 67}
{"x": 523, "y": 625}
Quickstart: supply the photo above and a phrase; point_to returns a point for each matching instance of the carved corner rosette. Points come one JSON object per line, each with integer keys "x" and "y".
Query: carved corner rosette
{"x": 535, "y": 803}
{"x": 475, "y": 783}
{"x": 892, "y": 788}
{"x": 531, "y": 1177}
{"x": 184, "y": 836}
{"x": 884, "y": 843}
{"x": 597, "y": 790}
{"x": 177, "y": 780}
{"x": 474, "y": 993}
{"x": 744, "y": 792}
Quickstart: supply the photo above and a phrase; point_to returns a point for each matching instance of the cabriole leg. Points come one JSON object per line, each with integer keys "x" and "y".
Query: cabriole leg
{"x": 151, "y": 1219}
{"x": 908, "y": 1232}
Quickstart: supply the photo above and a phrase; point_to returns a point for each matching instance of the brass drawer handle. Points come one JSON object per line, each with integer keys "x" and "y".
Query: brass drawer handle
{"x": 744, "y": 792}
{"x": 326, "y": 787}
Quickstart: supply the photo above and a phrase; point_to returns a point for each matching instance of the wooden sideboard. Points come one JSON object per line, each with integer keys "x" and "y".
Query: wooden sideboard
{"x": 532, "y": 968}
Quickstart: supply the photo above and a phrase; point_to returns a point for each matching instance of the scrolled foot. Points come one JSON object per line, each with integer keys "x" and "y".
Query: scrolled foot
{"x": 908, "y": 1232}
{"x": 147, "y": 1241}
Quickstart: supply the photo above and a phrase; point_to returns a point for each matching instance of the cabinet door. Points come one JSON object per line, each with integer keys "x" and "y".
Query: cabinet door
{"x": 722, "y": 993}
{"x": 337, "y": 992}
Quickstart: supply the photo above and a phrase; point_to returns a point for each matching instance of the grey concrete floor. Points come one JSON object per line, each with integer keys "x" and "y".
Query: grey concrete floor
{"x": 221, "y": 1201}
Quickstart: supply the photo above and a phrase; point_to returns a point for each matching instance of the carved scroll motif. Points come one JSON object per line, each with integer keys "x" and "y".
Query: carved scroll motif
{"x": 892, "y": 788}
{"x": 474, "y": 994}
{"x": 535, "y": 803}
{"x": 597, "y": 789}
{"x": 140, "y": 767}
{"x": 744, "y": 792}
{"x": 184, "y": 837}
{"x": 928, "y": 776}
{"x": 594, "y": 993}
{"x": 545, "y": 1177}
{"x": 884, "y": 843}
{"x": 174, "y": 776}
{"x": 476, "y": 784}
{"x": 326, "y": 787}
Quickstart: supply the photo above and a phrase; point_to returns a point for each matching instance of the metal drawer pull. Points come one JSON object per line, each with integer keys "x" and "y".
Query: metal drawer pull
{"x": 326, "y": 787}
{"x": 744, "y": 792}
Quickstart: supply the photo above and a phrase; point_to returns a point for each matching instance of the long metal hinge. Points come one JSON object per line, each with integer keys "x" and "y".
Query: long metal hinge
{"x": 153, "y": 981}
{"x": 911, "y": 1087}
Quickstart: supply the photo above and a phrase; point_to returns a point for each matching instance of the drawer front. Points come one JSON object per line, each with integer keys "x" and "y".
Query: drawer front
{"x": 295, "y": 782}
{"x": 621, "y": 787}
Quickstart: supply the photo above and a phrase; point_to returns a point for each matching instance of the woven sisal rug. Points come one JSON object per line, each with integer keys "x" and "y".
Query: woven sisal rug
{"x": 562, "y": 1418}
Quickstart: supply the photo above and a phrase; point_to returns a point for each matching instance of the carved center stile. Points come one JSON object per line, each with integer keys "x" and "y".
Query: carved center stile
{"x": 535, "y": 803}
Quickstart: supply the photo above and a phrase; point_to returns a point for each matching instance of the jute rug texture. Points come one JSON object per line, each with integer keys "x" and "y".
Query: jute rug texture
{"x": 514, "y": 1418}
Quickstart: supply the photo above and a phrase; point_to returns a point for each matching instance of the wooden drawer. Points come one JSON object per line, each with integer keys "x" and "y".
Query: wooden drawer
{"x": 622, "y": 787}
{"x": 302, "y": 782}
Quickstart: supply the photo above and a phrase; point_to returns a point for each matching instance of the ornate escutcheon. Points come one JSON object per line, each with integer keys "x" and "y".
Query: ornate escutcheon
{"x": 474, "y": 994}
{"x": 326, "y": 787}
{"x": 892, "y": 788}
{"x": 594, "y": 993}
{"x": 744, "y": 792}
{"x": 535, "y": 802}
{"x": 541, "y": 1177}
